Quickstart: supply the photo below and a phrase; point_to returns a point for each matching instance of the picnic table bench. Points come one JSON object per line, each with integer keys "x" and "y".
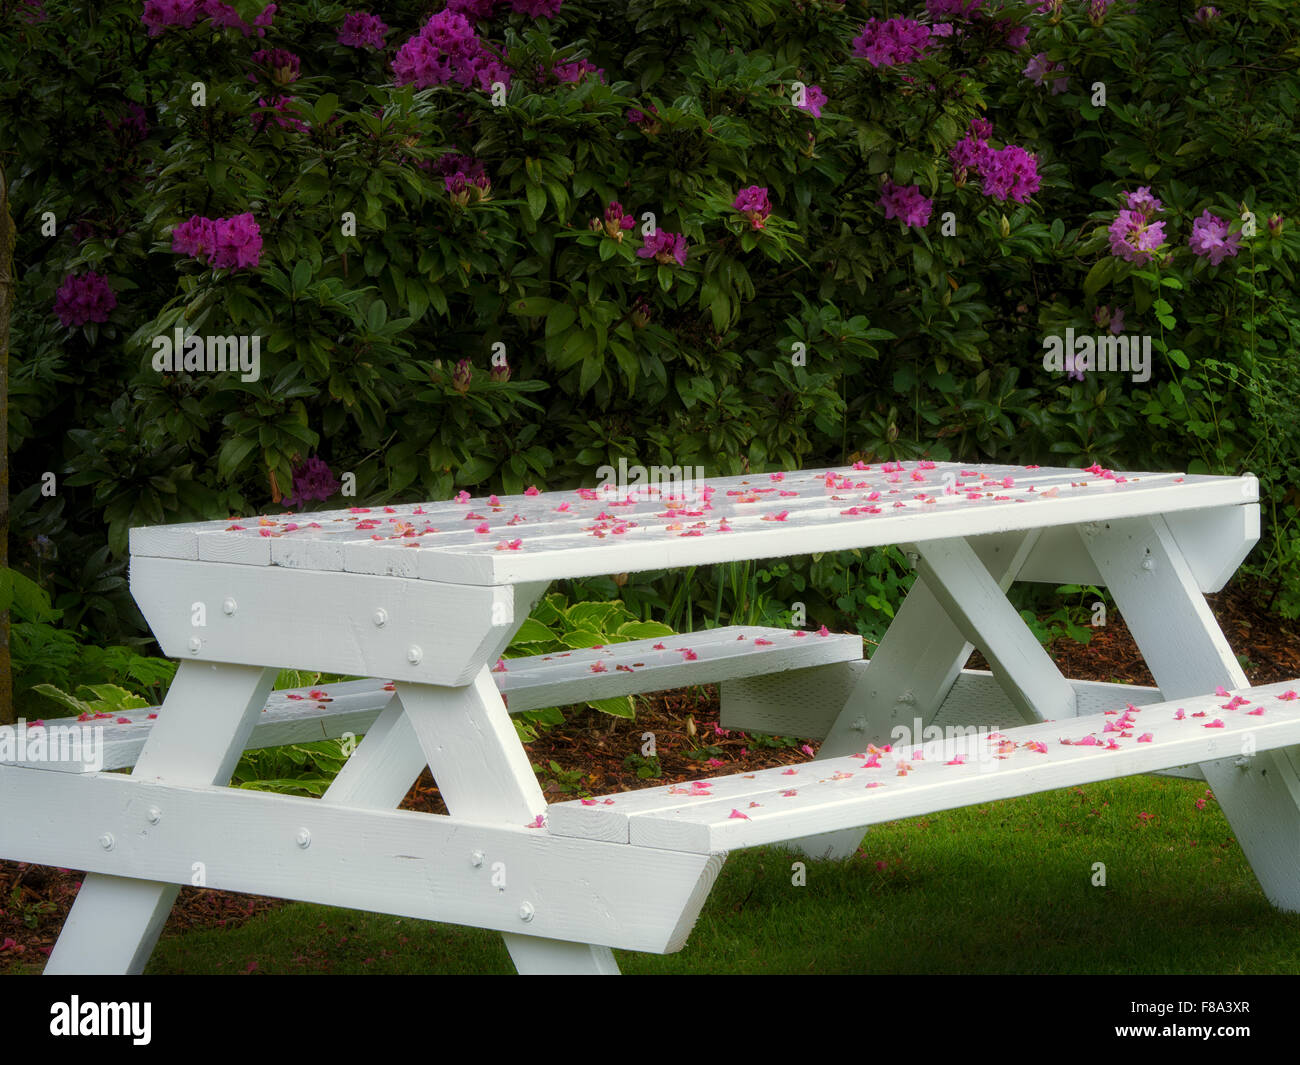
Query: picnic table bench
{"x": 427, "y": 597}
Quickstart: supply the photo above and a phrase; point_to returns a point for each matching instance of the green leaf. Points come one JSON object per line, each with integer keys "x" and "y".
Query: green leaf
{"x": 619, "y": 706}
{"x": 643, "y": 630}
{"x": 1101, "y": 273}
{"x": 532, "y": 631}
{"x": 1180, "y": 360}
{"x": 536, "y": 196}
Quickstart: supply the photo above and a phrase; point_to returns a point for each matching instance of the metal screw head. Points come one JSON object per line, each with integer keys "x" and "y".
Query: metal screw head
{"x": 414, "y": 655}
{"x": 526, "y": 911}
{"x": 106, "y": 841}
{"x": 155, "y": 815}
{"x": 195, "y": 644}
{"x": 228, "y": 605}
{"x": 304, "y": 838}
{"x": 380, "y": 618}
{"x": 860, "y": 725}
{"x": 1148, "y": 564}
{"x": 476, "y": 859}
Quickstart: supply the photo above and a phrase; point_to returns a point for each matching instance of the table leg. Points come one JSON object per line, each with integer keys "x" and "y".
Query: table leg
{"x": 909, "y": 676}
{"x": 1187, "y": 654}
{"x": 198, "y": 738}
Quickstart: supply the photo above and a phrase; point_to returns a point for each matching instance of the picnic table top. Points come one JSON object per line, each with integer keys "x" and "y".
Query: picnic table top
{"x": 542, "y": 536}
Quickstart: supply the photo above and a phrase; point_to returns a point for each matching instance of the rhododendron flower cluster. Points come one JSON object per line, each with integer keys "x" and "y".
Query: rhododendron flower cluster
{"x": 664, "y": 248}
{"x": 814, "y": 99}
{"x": 893, "y": 42}
{"x": 615, "y": 222}
{"x": 159, "y": 15}
{"x": 1006, "y": 173}
{"x": 447, "y": 50}
{"x": 1210, "y": 238}
{"x": 572, "y": 73}
{"x": 227, "y": 243}
{"x": 84, "y": 299}
{"x": 906, "y": 203}
{"x": 362, "y": 30}
{"x": 753, "y": 203}
{"x": 282, "y": 65}
{"x": 1038, "y": 70}
{"x": 312, "y": 480}
{"x": 1133, "y": 234}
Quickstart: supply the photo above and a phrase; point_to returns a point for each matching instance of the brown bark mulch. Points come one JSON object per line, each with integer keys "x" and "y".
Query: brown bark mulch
{"x": 591, "y": 751}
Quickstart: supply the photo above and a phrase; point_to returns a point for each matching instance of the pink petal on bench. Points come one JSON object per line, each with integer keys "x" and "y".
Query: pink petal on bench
{"x": 1255, "y": 713}
{"x": 790, "y": 773}
{"x": 1289, "y": 695}
{"x": 760, "y": 642}
{"x": 1216, "y": 723}
{"x": 738, "y": 814}
{"x": 537, "y": 822}
{"x": 1180, "y": 714}
{"x": 1145, "y": 738}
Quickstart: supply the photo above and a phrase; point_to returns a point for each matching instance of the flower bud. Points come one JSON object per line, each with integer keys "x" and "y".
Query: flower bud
{"x": 500, "y": 373}
{"x": 1275, "y": 225}
{"x": 462, "y": 376}
{"x": 641, "y": 314}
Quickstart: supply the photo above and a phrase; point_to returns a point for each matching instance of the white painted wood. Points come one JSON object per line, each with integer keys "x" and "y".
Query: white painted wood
{"x": 1059, "y": 557}
{"x": 1185, "y": 651}
{"x": 1215, "y": 542}
{"x": 570, "y": 534}
{"x": 384, "y": 861}
{"x": 848, "y": 792}
{"x": 113, "y": 925}
{"x": 322, "y": 621}
{"x": 979, "y": 608}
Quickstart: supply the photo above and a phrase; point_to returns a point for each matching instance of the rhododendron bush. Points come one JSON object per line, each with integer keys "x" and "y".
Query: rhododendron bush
{"x": 491, "y": 243}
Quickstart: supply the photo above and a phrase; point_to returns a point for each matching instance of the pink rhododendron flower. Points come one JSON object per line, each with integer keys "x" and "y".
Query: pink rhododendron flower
{"x": 906, "y": 203}
{"x": 1039, "y": 69}
{"x": 664, "y": 248}
{"x": 814, "y": 99}
{"x": 84, "y": 299}
{"x": 893, "y": 42}
{"x": 362, "y": 30}
{"x": 446, "y": 51}
{"x": 753, "y": 203}
{"x": 1211, "y": 239}
{"x": 1134, "y": 237}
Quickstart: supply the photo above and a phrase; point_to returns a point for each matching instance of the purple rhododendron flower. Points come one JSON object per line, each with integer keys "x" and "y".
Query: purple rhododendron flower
{"x": 664, "y": 247}
{"x": 1142, "y": 201}
{"x": 960, "y": 8}
{"x": 158, "y": 15}
{"x": 537, "y": 8}
{"x": 475, "y": 9}
{"x": 197, "y": 237}
{"x": 981, "y": 128}
{"x": 1039, "y": 68}
{"x": 1210, "y": 237}
{"x": 362, "y": 30}
{"x": 1011, "y": 173}
{"x": 754, "y": 204}
{"x": 1134, "y": 237}
{"x": 572, "y": 73}
{"x": 283, "y": 65}
{"x": 448, "y": 50}
{"x": 891, "y": 43}
{"x": 312, "y": 480}
{"x": 84, "y": 299}
{"x": 616, "y": 217}
{"x": 279, "y": 112}
{"x": 1103, "y": 317}
{"x": 967, "y": 152}
{"x": 906, "y": 203}
{"x": 1206, "y": 13}
{"x": 814, "y": 99}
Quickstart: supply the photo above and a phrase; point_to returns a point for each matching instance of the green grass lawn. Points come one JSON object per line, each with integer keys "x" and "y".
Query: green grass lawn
{"x": 1002, "y": 888}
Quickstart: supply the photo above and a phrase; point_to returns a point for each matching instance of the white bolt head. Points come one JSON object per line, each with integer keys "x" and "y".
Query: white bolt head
{"x": 155, "y": 815}
{"x": 228, "y": 605}
{"x": 106, "y": 841}
{"x": 476, "y": 859}
{"x": 414, "y": 655}
{"x": 380, "y": 617}
{"x": 1148, "y": 564}
{"x": 526, "y": 911}
{"x": 303, "y": 838}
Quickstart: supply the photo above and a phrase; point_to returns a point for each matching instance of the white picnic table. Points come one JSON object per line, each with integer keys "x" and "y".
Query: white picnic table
{"x": 426, "y": 598}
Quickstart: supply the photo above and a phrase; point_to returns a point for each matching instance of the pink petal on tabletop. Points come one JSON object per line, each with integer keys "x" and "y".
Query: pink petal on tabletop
{"x": 738, "y": 814}
{"x": 959, "y": 760}
{"x": 875, "y": 784}
{"x": 1216, "y": 723}
{"x": 1289, "y": 695}
{"x": 563, "y": 507}
{"x": 531, "y": 490}
{"x": 823, "y": 631}
{"x": 1235, "y": 702}
{"x": 598, "y": 667}
{"x": 152, "y": 716}
{"x": 1221, "y": 690}
{"x": 798, "y": 633}
{"x": 839, "y": 774}
{"x": 753, "y": 804}
{"x": 462, "y": 496}
{"x": 537, "y": 822}
{"x": 789, "y": 794}
{"x": 123, "y": 721}
{"x": 872, "y": 763}
{"x": 776, "y": 517}
{"x": 760, "y": 642}
{"x": 658, "y": 647}
{"x": 1200, "y": 713}
{"x": 1037, "y": 745}
{"x": 1255, "y": 713}
{"x": 790, "y": 772}
{"x": 688, "y": 654}
{"x": 500, "y": 667}
{"x": 482, "y": 528}
{"x": 608, "y": 802}
{"x": 1180, "y": 714}
{"x": 587, "y": 802}
{"x": 1145, "y": 738}
{"x": 777, "y": 476}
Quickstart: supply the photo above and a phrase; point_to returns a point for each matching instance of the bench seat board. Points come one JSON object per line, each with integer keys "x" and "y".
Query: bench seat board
{"x": 529, "y": 683}
{"x": 837, "y": 792}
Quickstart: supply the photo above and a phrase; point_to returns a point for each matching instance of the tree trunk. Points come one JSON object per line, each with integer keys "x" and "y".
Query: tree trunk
{"x": 6, "y": 306}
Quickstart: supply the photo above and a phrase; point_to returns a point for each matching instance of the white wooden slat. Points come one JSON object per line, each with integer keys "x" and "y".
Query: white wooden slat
{"x": 977, "y": 605}
{"x": 659, "y": 818}
{"x": 321, "y": 621}
{"x": 295, "y": 716}
{"x": 113, "y": 925}
{"x": 819, "y": 515}
{"x": 1215, "y": 542}
{"x": 1184, "y": 648}
{"x": 381, "y": 861}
